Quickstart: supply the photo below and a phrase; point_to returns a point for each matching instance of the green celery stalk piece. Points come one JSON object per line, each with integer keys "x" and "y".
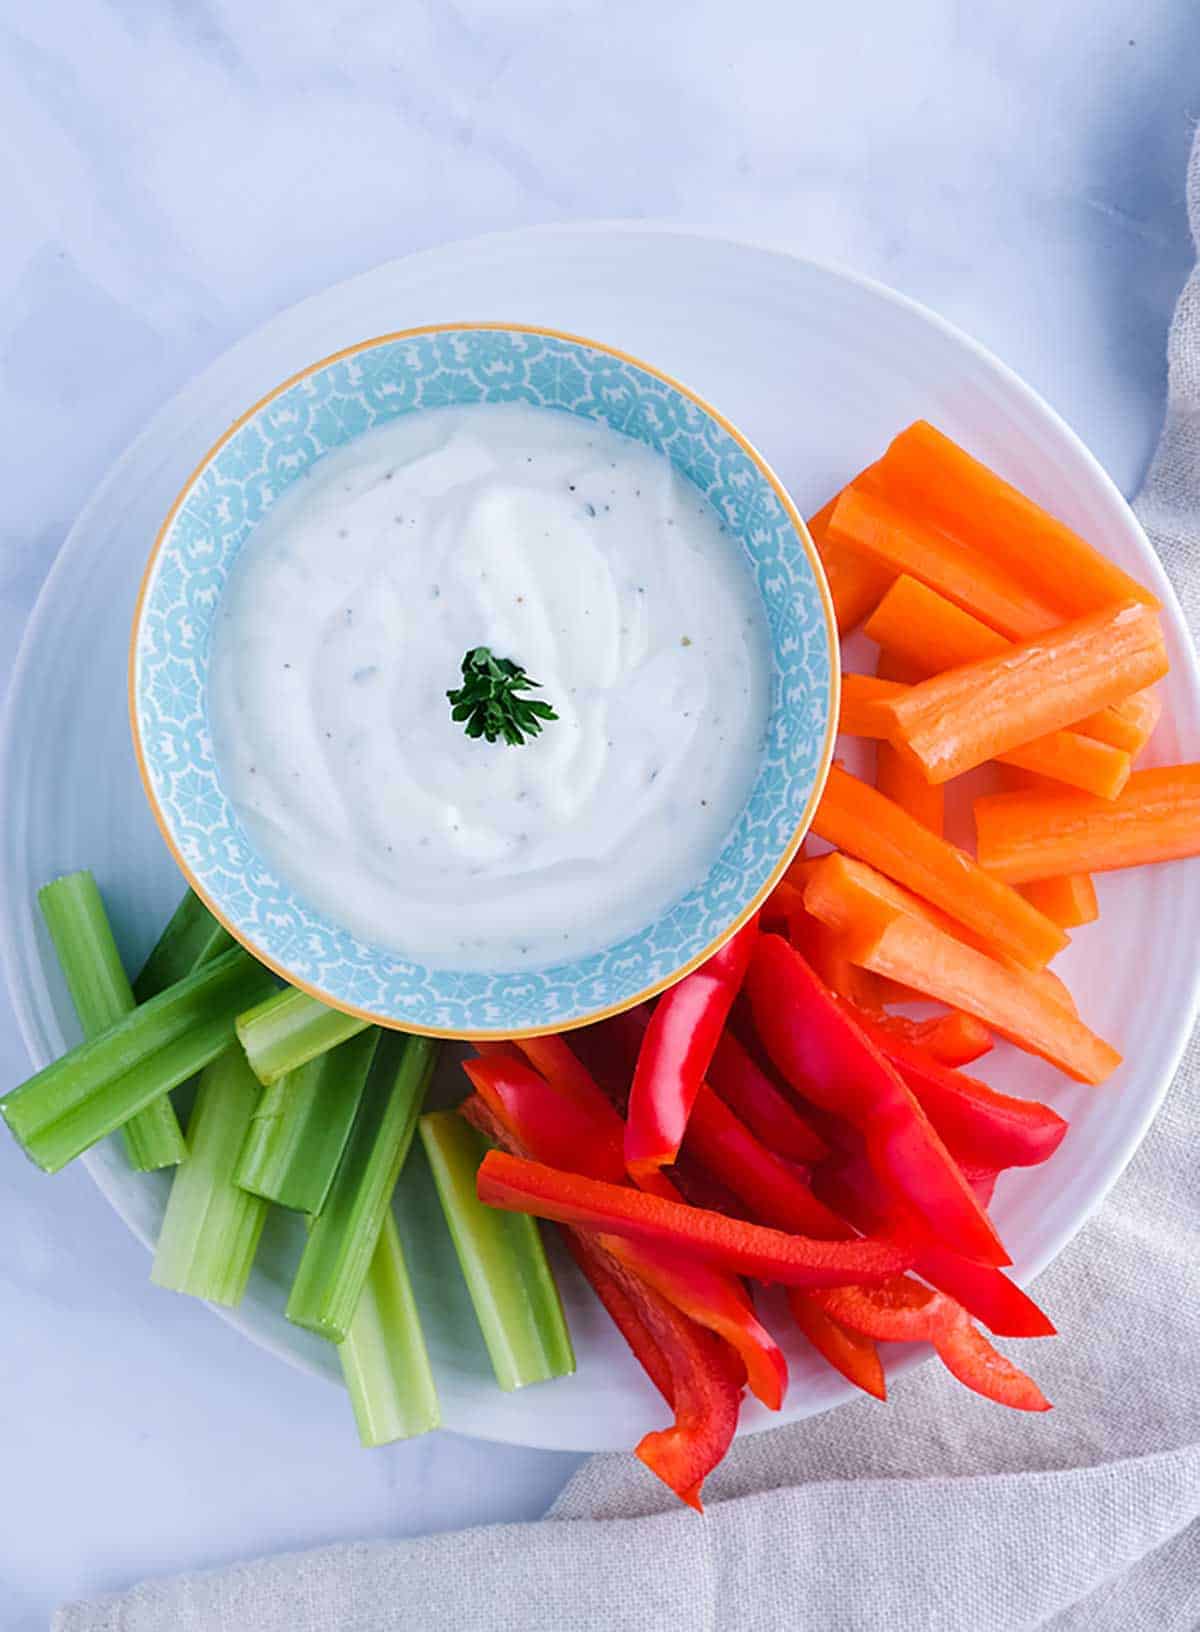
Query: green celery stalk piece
{"x": 100, "y": 990}
{"x": 384, "y": 1358}
{"x": 192, "y": 937}
{"x": 68, "y": 1106}
{"x": 516, "y": 1300}
{"x": 301, "y": 1124}
{"x": 342, "y": 1242}
{"x": 211, "y": 1227}
{"x": 289, "y": 1029}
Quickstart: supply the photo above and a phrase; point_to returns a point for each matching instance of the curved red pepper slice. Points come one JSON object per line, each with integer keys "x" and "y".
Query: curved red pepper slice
{"x": 730, "y": 1243}
{"x": 745, "y": 1087}
{"x": 680, "y": 1040}
{"x": 538, "y": 1121}
{"x": 772, "y": 1190}
{"x": 555, "y": 1129}
{"x": 986, "y": 1293}
{"x": 815, "y": 1043}
{"x": 908, "y": 1312}
{"x": 714, "y": 1300}
{"x": 981, "y": 1126}
{"x": 847, "y": 1351}
{"x": 704, "y": 1374}
{"x": 697, "y": 1374}
{"x": 953, "y": 1039}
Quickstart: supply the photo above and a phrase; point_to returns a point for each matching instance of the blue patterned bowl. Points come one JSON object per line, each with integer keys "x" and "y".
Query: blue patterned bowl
{"x": 239, "y": 480}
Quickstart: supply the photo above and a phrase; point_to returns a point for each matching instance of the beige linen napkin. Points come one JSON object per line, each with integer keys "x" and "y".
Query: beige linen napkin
{"x": 939, "y": 1512}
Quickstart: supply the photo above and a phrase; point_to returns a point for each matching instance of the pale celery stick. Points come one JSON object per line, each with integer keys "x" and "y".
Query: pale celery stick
{"x": 384, "y": 1358}
{"x": 98, "y": 1086}
{"x": 211, "y": 1227}
{"x": 301, "y": 1124}
{"x": 342, "y": 1241}
{"x": 192, "y": 937}
{"x": 511, "y": 1286}
{"x": 100, "y": 990}
{"x": 289, "y": 1029}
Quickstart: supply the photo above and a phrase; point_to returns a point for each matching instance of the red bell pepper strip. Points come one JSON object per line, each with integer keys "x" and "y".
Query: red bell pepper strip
{"x": 683, "y": 1033}
{"x": 553, "y": 1128}
{"x": 553, "y": 1058}
{"x": 847, "y": 1351}
{"x": 622, "y": 1304}
{"x": 712, "y": 1299}
{"x": 953, "y": 1038}
{"x": 745, "y": 1087}
{"x": 982, "y": 1127}
{"x": 556, "y": 1062}
{"x": 746, "y": 1249}
{"x": 704, "y": 1374}
{"x": 851, "y": 1189}
{"x": 771, "y": 1189}
{"x": 904, "y": 1310}
{"x": 825, "y": 1055}
{"x": 985, "y": 1293}
{"x": 536, "y": 1121}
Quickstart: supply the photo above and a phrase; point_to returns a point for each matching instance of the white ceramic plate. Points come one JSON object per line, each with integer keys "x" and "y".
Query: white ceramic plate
{"x": 819, "y": 369}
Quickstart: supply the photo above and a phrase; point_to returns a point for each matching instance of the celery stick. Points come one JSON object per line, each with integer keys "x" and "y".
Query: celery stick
{"x": 384, "y": 1359}
{"x": 516, "y": 1301}
{"x": 98, "y": 1086}
{"x": 211, "y": 1227}
{"x": 301, "y": 1125}
{"x": 290, "y": 1029}
{"x": 342, "y": 1242}
{"x": 100, "y": 991}
{"x": 192, "y": 937}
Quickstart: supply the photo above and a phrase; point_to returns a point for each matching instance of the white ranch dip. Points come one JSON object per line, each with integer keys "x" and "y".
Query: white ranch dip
{"x": 576, "y": 552}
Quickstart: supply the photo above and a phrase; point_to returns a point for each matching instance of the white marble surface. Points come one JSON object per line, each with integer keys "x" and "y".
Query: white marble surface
{"x": 175, "y": 172}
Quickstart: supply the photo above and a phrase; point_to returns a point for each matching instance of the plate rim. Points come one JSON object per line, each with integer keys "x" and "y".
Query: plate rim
{"x": 1179, "y": 1030}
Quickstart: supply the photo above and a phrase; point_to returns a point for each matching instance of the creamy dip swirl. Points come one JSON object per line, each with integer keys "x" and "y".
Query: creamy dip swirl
{"x": 586, "y": 558}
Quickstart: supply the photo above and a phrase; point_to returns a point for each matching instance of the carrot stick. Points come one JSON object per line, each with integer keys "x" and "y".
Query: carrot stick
{"x": 860, "y": 714}
{"x": 1035, "y": 834}
{"x": 915, "y": 625}
{"x": 1068, "y": 900}
{"x": 959, "y": 719}
{"x": 925, "y": 471}
{"x": 824, "y": 948}
{"x": 856, "y": 583}
{"x": 900, "y": 542}
{"x": 859, "y": 819}
{"x": 1061, "y": 756}
{"x": 1076, "y": 761}
{"x": 897, "y": 776}
{"x": 1128, "y": 724}
{"x": 1019, "y": 1007}
{"x": 842, "y": 892}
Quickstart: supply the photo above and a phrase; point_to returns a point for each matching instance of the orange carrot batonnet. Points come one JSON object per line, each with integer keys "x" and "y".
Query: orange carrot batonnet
{"x": 859, "y": 713}
{"x": 1069, "y": 900}
{"x": 1011, "y": 1001}
{"x": 900, "y": 542}
{"x": 974, "y": 713}
{"x": 897, "y": 775}
{"x": 856, "y": 583}
{"x": 860, "y": 820}
{"x": 1037, "y": 834}
{"x": 916, "y": 626}
{"x": 824, "y": 949}
{"x": 925, "y": 471}
{"x": 1062, "y": 756}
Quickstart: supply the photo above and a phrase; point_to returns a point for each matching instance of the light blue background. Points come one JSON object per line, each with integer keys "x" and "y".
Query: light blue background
{"x": 171, "y": 174}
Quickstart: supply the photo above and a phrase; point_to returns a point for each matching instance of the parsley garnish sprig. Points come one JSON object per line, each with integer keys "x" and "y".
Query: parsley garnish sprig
{"x": 489, "y": 703}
